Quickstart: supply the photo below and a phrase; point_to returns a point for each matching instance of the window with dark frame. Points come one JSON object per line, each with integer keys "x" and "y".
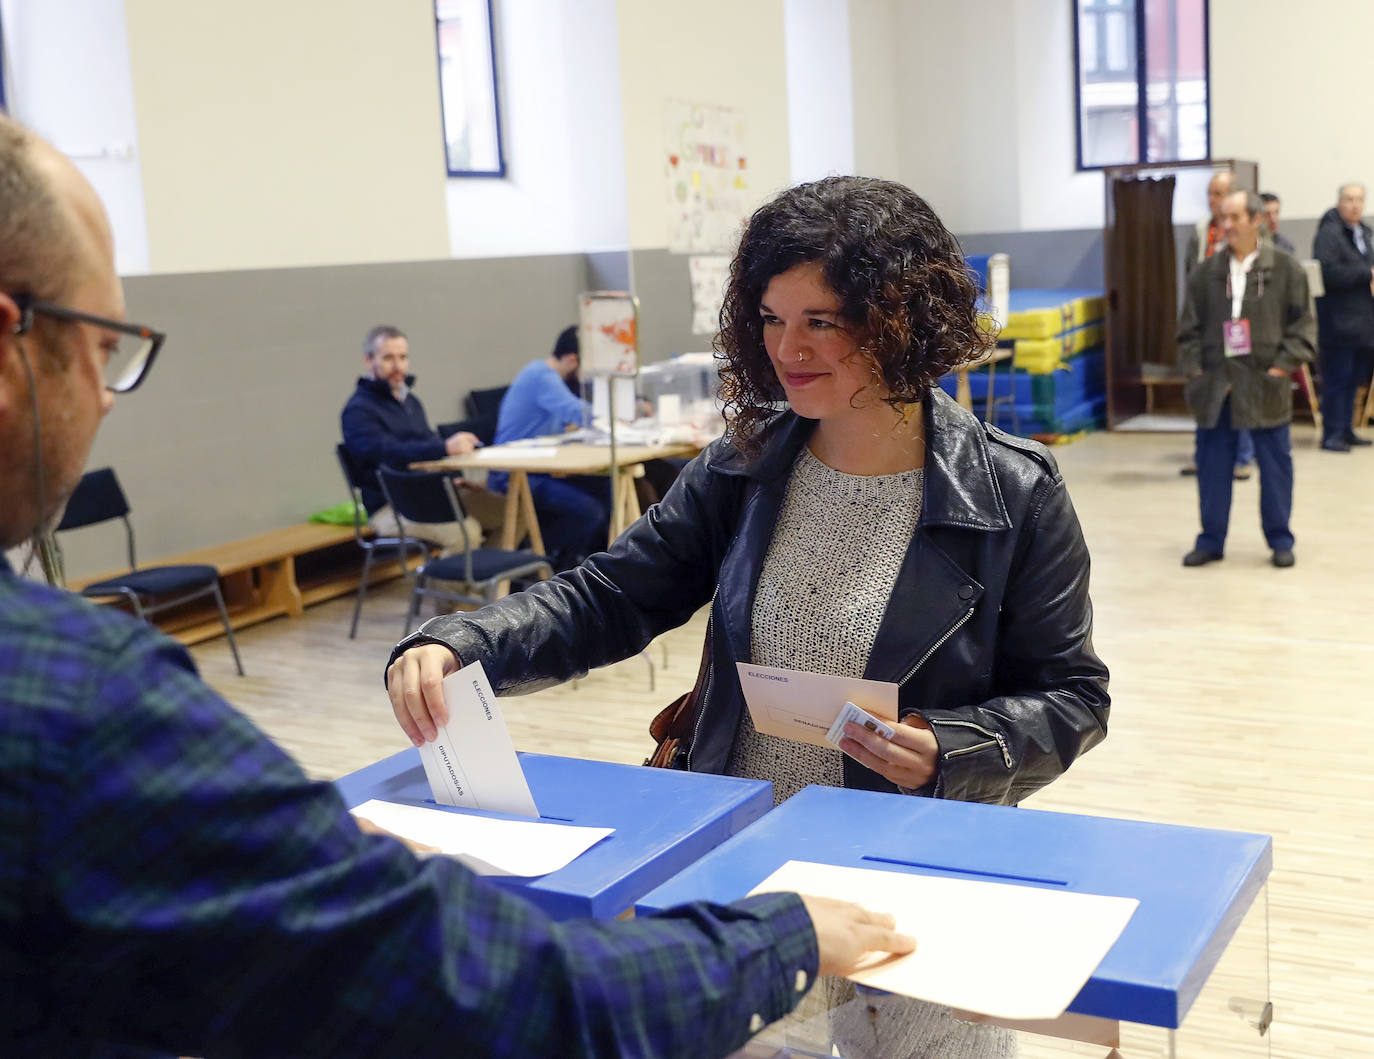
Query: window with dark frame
{"x": 466, "y": 43}
{"x": 1142, "y": 81}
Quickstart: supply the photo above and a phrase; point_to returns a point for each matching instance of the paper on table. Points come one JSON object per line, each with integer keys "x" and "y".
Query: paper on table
{"x": 472, "y": 761}
{"x": 798, "y": 705}
{"x": 1013, "y": 952}
{"x": 502, "y": 454}
{"x": 486, "y": 845}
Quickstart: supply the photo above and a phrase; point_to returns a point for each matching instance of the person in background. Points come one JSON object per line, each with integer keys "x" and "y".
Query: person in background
{"x": 1205, "y": 240}
{"x": 171, "y": 883}
{"x": 1246, "y": 326}
{"x": 1272, "y": 206}
{"x": 384, "y": 425}
{"x": 574, "y": 511}
{"x": 1344, "y": 245}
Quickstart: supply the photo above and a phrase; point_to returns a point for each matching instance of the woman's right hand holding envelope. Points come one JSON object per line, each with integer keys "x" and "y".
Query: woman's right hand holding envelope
{"x": 415, "y": 683}
{"x": 908, "y": 759}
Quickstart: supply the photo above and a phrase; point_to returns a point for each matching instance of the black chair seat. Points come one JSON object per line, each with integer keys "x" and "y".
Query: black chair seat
{"x": 155, "y": 581}
{"x": 487, "y": 563}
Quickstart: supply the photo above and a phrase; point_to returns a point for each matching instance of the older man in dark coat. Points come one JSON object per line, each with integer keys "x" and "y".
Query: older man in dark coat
{"x": 1345, "y": 247}
{"x": 1246, "y": 325}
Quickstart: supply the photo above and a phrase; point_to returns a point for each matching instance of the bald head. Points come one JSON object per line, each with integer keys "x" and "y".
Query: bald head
{"x": 1350, "y": 204}
{"x": 53, "y": 228}
{"x": 1221, "y": 185}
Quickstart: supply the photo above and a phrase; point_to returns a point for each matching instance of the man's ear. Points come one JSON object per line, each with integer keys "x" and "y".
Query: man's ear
{"x": 14, "y": 384}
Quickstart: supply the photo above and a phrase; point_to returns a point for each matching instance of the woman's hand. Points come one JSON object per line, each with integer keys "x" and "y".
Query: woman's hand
{"x": 415, "y": 683}
{"x": 908, "y": 759}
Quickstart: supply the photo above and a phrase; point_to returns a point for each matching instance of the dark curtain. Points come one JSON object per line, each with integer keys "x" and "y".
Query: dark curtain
{"x": 1142, "y": 292}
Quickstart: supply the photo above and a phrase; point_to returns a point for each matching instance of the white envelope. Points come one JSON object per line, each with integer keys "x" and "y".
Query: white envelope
{"x": 472, "y": 762}
{"x": 486, "y": 845}
{"x": 798, "y": 705}
{"x": 1011, "y": 952}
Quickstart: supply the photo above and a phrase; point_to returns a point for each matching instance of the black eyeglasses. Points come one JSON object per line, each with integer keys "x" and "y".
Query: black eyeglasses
{"x": 128, "y": 361}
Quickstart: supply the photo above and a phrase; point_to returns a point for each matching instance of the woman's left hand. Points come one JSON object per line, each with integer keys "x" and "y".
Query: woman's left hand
{"x": 908, "y": 759}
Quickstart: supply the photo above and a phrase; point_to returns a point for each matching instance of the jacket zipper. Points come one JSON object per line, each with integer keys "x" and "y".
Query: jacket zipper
{"x": 994, "y": 739}
{"x": 706, "y": 685}
{"x": 936, "y": 645}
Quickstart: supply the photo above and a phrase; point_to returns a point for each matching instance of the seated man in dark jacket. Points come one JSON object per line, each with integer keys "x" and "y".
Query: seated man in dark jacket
{"x": 384, "y": 425}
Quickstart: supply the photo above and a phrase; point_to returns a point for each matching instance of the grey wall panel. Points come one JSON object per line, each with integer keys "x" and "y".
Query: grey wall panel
{"x": 664, "y": 288}
{"x": 234, "y": 431}
{"x": 609, "y": 270}
{"x": 1069, "y": 259}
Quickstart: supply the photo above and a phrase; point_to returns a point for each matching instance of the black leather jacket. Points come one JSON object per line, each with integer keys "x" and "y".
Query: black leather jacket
{"x": 988, "y": 629}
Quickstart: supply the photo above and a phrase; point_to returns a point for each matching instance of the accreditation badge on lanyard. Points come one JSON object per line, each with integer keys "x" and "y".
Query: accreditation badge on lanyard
{"x": 1235, "y": 334}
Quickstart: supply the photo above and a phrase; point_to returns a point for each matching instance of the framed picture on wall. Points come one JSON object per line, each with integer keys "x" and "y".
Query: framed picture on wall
{"x": 467, "y": 88}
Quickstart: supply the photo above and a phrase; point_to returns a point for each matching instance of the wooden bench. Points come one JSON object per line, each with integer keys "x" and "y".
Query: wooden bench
{"x": 272, "y": 574}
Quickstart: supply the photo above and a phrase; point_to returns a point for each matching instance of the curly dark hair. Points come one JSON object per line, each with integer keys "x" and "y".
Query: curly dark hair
{"x": 906, "y": 293}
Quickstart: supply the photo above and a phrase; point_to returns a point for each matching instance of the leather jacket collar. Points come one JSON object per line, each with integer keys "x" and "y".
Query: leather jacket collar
{"x": 960, "y": 488}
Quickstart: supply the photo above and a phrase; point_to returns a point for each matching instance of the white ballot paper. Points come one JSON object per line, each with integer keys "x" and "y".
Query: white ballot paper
{"x": 472, "y": 761}
{"x": 486, "y": 845}
{"x": 798, "y": 705}
{"x": 1012, "y": 952}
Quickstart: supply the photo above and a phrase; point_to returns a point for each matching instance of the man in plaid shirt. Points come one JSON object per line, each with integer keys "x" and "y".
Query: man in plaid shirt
{"x": 170, "y": 882}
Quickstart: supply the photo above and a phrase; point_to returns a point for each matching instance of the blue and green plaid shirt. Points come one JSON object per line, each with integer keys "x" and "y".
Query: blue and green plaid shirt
{"x": 170, "y": 882}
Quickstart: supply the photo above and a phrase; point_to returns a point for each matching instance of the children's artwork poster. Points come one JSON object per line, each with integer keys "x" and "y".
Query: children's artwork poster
{"x": 709, "y": 274}
{"x": 707, "y": 171}
{"x": 609, "y": 345}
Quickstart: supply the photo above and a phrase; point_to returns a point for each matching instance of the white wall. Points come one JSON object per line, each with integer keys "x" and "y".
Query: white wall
{"x": 874, "y": 71}
{"x": 1300, "y": 112}
{"x": 278, "y": 134}
{"x": 57, "y": 53}
{"x": 820, "y": 96}
{"x": 957, "y": 117}
{"x": 559, "y": 85}
{"x": 1051, "y": 193}
{"x": 722, "y": 52}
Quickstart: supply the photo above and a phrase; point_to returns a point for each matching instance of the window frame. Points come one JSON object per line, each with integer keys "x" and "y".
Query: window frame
{"x": 1142, "y": 106}
{"x": 500, "y": 171}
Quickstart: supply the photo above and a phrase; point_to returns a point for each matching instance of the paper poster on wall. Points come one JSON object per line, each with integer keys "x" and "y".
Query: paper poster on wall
{"x": 608, "y": 334}
{"x": 706, "y": 168}
{"x": 709, "y": 274}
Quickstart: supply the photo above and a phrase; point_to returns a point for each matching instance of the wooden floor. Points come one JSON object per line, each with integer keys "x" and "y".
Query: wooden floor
{"x": 1243, "y": 697}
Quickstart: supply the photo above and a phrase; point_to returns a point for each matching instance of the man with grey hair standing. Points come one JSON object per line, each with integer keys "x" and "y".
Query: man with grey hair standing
{"x": 171, "y": 883}
{"x": 1206, "y": 238}
{"x": 1246, "y": 325}
{"x": 1344, "y": 245}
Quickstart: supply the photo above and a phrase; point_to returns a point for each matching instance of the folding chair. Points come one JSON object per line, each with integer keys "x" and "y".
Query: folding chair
{"x": 431, "y": 497}
{"x": 152, "y": 589}
{"x": 355, "y": 477}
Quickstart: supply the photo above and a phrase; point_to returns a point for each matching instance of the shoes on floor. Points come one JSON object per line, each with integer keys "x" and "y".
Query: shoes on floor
{"x": 1336, "y": 445}
{"x": 1241, "y": 473}
{"x": 1201, "y": 557}
{"x": 1354, "y": 440}
{"x": 1283, "y": 557}
{"x": 1188, "y": 472}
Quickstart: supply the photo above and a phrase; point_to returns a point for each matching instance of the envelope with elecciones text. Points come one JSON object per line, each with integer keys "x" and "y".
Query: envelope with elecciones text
{"x": 795, "y": 704}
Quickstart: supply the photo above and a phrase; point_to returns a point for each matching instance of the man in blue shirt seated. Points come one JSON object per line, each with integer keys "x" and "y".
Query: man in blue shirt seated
{"x": 172, "y": 883}
{"x": 384, "y": 425}
{"x": 574, "y": 511}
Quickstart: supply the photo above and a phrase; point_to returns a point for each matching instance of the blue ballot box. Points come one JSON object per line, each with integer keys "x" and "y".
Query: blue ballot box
{"x": 1195, "y": 886}
{"x": 663, "y": 820}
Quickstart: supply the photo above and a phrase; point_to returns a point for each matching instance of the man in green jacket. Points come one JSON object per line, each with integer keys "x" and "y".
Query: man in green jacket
{"x": 1246, "y": 325}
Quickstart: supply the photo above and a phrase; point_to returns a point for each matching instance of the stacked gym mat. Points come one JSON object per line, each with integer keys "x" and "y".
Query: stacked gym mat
{"x": 1059, "y": 382}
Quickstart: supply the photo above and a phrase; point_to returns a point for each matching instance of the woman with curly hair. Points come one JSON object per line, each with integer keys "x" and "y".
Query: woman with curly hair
{"x": 854, "y": 520}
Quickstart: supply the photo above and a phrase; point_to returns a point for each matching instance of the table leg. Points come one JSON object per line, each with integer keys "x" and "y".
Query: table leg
{"x": 510, "y": 528}
{"x": 962, "y": 392}
{"x": 527, "y": 510}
